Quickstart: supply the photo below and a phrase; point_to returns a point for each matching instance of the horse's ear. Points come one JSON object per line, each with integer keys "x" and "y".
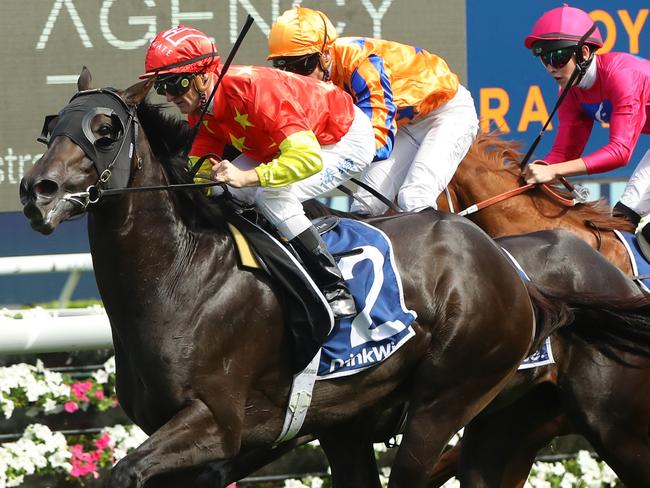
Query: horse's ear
{"x": 84, "y": 80}
{"x": 134, "y": 94}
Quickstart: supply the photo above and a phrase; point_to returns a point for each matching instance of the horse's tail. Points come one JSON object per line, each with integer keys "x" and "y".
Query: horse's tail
{"x": 612, "y": 325}
{"x": 551, "y": 312}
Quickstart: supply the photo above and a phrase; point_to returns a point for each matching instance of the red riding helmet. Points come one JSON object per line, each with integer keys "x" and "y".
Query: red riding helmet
{"x": 180, "y": 50}
{"x": 562, "y": 27}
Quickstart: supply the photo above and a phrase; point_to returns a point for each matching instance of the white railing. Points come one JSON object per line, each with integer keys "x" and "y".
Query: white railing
{"x": 75, "y": 264}
{"x": 36, "y": 331}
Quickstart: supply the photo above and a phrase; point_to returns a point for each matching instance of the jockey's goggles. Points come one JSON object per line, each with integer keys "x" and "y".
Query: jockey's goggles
{"x": 557, "y": 58}
{"x": 175, "y": 85}
{"x": 301, "y": 65}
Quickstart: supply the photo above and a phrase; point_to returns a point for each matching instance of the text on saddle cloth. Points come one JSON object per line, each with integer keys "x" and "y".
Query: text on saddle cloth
{"x": 383, "y": 324}
{"x": 365, "y": 257}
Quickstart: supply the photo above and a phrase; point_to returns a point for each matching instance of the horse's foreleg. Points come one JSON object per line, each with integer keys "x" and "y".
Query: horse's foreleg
{"x": 191, "y": 438}
{"x": 611, "y": 407}
{"x": 498, "y": 449}
{"x": 447, "y": 466}
{"x": 351, "y": 455}
{"x": 220, "y": 474}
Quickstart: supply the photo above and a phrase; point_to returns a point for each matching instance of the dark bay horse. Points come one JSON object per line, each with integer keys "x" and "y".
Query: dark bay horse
{"x": 203, "y": 362}
{"x": 606, "y": 401}
{"x": 618, "y": 331}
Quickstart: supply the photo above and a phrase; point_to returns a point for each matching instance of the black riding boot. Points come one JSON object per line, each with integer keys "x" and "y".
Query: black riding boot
{"x": 323, "y": 270}
{"x": 622, "y": 211}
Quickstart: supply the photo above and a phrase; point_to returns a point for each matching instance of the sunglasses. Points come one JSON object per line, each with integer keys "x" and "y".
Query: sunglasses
{"x": 174, "y": 85}
{"x": 557, "y": 58}
{"x": 301, "y": 65}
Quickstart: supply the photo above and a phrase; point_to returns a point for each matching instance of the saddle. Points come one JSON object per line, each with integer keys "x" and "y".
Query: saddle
{"x": 307, "y": 318}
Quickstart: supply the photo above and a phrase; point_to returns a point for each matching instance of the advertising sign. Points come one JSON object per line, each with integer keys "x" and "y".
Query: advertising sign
{"x": 45, "y": 43}
{"x": 511, "y": 88}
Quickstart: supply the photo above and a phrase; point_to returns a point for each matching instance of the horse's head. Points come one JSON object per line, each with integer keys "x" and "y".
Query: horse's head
{"x": 90, "y": 144}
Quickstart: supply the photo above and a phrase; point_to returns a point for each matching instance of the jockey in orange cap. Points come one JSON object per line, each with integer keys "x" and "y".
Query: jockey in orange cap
{"x": 396, "y": 86}
{"x": 299, "y": 137}
{"x": 612, "y": 87}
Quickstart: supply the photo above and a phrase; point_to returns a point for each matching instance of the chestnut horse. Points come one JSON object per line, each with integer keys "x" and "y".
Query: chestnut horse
{"x": 202, "y": 356}
{"x": 610, "y": 404}
{"x": 491, "y": 168}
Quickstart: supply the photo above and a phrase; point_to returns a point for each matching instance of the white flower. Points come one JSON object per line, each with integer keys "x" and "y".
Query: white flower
{"x": 569, "y": 480}
{"x": 292, "y": 483}
{"x": 101, "y": 376}
{"x": 7, "y": 407}
{"x": 109, "y": 365}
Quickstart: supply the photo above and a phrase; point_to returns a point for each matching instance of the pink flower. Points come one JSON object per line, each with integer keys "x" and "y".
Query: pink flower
{"x": 70, "y": 407}
{"x": 99, "y": 394}
{"x": 103, "y": 442}
{"x": 79, "y": 390}
{"x": 84, "y": 463}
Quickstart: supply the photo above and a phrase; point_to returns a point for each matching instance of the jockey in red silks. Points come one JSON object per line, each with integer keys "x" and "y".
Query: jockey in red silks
{"x": 612, "y": 87}
{"x": 424, "y": 119}
{"x": 299, "y": 138}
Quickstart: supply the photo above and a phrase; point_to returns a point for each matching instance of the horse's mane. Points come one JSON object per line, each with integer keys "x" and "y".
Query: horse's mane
{"x": 167, "y": 136}
{"x": 498, "y": 154}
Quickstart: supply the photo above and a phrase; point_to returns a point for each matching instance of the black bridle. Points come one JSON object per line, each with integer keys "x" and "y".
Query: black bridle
{"x": 114, "y": 159}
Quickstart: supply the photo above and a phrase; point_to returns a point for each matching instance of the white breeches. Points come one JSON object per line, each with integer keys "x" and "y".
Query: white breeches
{"x": 637, "y": 191}
{"x": 341, "y": 161}
{"x": 425, "y": 156}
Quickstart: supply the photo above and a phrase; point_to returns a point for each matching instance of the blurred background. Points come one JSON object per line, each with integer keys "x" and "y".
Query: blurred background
{"x": 45, "y": 43}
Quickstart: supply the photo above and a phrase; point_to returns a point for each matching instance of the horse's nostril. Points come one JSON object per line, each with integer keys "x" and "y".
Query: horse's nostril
{"x": 45, "y": 188}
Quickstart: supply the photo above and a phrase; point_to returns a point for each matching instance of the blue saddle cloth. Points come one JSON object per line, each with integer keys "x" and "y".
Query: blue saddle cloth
{"x": 640, "y": 265}
{"x": 383, "y": 323}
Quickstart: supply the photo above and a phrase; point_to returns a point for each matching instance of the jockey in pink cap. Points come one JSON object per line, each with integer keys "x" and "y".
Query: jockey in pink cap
{"x": 612, "y": 88}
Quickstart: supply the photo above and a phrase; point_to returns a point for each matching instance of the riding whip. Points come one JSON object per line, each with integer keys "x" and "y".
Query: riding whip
{"x": 577, "y": 72}
{"x": 226, "y": 65}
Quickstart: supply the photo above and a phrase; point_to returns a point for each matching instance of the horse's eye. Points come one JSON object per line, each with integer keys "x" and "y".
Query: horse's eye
{"x": 104, "y": 130}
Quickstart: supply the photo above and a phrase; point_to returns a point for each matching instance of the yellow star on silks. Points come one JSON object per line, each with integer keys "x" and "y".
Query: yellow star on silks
{"x": 205, "y": 123}
{"x": 248, "y": 70}
{"x": 242, "y": 119}
{"x": 238, "y": 143}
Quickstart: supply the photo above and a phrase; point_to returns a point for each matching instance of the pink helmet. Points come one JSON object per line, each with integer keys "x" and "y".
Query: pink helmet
{"x": 180, "y": 50}
{"x": 563, "y": 27}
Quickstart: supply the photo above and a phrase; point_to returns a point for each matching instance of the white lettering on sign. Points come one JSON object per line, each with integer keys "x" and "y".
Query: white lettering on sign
{"x": 147, "y": 20}
{"x": 51, "y": 20}
{"x": 376, "y": 14}
{"x": 12, "y": 166}
{"x": 179, "y": 17}
{"x": 264, "y": 26}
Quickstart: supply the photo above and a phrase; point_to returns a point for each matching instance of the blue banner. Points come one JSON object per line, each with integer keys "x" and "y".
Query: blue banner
{"x": 512, "y": 90}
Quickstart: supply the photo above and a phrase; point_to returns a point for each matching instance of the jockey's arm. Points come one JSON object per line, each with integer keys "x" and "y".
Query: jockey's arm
{"x": 299, "y": 157}
{"x": 371, "y": 88}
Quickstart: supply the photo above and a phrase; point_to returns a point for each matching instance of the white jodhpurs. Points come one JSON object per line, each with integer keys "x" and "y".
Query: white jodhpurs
{"x": 636, "y": 195}
{"x": 282, "y": 206}
{"x": 425, "y": 156}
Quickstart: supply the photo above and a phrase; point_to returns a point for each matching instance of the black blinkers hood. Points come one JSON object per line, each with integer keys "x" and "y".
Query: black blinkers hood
{"x": 75, "y": 120}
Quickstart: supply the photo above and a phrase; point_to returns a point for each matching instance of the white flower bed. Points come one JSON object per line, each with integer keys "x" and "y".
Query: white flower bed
{"x": 40, "y": 451}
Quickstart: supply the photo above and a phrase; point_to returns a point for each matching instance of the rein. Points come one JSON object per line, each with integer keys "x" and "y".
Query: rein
{"x": 550, "y": 191}
{"x": 94, "y": 192}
